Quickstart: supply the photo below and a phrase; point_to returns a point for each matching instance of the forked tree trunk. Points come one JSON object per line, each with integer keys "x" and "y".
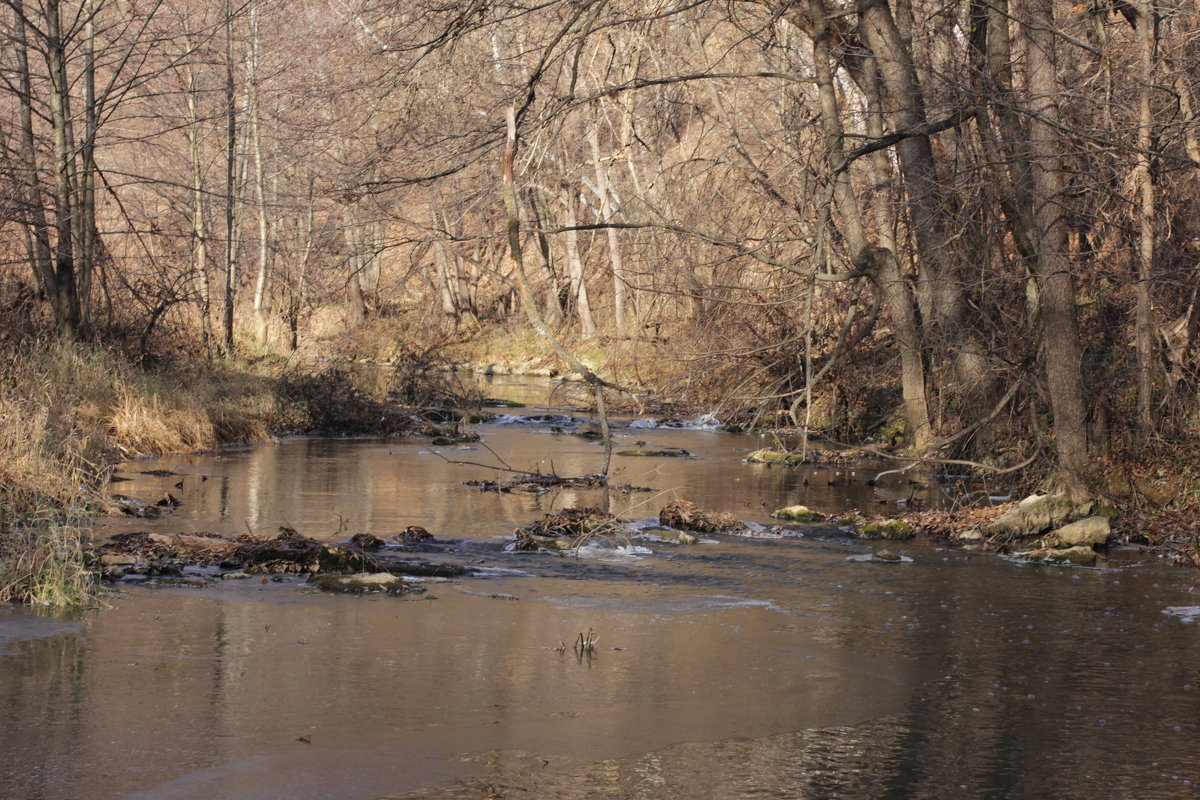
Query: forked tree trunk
{"x": 879, "y": 262}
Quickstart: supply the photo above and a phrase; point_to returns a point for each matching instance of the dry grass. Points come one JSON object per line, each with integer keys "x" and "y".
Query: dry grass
{"x": 44, "y": 565}
{"x": 68, "y": 410}
{"x": 152, "y": 424}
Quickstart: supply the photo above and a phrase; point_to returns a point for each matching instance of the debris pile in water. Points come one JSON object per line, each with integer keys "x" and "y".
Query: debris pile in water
{"x": 565, "y": 529}
{"x": 685, "y": 516}
{"x": 539, "y": 483}
{"x": 289, "y": 553}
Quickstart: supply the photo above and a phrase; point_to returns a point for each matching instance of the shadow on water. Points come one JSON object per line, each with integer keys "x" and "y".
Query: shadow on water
{"x": 733, "y": 668}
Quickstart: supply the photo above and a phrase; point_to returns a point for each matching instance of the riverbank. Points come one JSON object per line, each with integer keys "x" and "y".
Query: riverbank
{"x": 70, "y": 411}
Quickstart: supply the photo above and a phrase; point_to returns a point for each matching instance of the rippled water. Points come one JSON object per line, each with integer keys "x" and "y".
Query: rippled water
{"x": 734, "y": 668}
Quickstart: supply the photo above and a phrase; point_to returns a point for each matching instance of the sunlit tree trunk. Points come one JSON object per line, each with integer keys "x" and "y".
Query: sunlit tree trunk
{"x": 260, "y": 194}
{"x": 604, "y": 190}
{"x": 575, "y": 278}
{"x": 199, "y": 211}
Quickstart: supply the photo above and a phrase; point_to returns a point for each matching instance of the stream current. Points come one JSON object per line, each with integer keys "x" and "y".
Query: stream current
{"x": 734, "y": 668}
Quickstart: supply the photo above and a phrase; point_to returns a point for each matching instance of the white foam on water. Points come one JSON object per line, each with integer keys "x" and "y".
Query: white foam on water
{"x": 1184, "y": 613}
{"x": 704, "y": 422}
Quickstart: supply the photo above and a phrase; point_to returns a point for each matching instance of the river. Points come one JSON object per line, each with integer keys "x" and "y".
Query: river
{"x": 734, "y": 668}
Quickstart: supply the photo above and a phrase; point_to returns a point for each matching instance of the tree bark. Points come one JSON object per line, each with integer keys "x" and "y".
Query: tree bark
{"x": 260, "y": 191}
{"x": 604, "y": 190}
{"x": 575, "y": 277}
{"x": 231, "y": 131}
{"x": 65, "y": 296}
{"x": 879, "y": 262}
{"x": 1061, "y": 349}
{"x": 199, "y": 212}
{"x": 37, "y": 229}
{"x": 1144, "y": 324}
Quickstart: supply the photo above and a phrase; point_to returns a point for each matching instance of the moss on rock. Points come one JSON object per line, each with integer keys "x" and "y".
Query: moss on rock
{"x": 798, "y": 514}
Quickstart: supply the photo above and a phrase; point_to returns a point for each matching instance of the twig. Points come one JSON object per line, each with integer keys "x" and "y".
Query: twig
{"x": 481, "y": 464}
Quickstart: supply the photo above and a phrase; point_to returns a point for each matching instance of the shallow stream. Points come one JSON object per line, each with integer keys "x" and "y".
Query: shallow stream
{"x": 735, "y": 668}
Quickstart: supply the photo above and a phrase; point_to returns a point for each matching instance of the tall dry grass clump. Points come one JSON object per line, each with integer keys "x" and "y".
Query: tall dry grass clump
{"x": 44, "y": 565}
{"x": 49, "y": 451}
{"x": 68, "y": 410}
{"x": 156, "y": 424}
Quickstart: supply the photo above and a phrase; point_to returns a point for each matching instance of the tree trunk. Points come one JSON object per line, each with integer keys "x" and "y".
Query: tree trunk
{"x": 1144, "y": 323}
{"x": 879, "y": 262}
{"x": 575, "y": 278}
{"x": 230, "y": 182}
{"x": 1061, "y": 348}
{"x": 199, "y": 217}
{"x": 553, "y": 304}
{"x": 65, "y": 296}
{"x": 37, "y": 229}
{"x": 606, "y": 215}
{"x": 260, "y": 191}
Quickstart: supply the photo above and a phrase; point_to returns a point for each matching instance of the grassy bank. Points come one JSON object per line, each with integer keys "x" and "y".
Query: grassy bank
{"x": 69, "y": 411}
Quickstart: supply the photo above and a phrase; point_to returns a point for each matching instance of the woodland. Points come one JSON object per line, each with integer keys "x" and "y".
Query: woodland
{"x": 967, "y": 232}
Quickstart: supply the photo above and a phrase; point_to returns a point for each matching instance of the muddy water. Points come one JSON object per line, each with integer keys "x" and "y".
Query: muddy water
{"x": 731, "y": 669}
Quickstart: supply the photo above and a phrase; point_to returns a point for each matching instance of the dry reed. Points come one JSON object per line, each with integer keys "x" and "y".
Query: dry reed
{"x": 44, "y": 565}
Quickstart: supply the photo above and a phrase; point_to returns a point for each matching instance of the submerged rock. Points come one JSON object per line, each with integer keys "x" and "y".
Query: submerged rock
{"x": 668, "y": 536}
{"x": 798, "y": 514}
{"x": 1082, "y": 555}
{"x": 664, "y": 452}
{"x": 448, "y": 441}
{"x": 775, "y": 457}
{"x": 685, "y": 516}
{"x": 892, "y": 529}
{"x": 589, "y": 430}
{"x": 882, "y": 557}
{"x": 364, "y": 582}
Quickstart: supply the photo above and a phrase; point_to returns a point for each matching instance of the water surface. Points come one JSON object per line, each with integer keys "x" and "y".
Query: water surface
{"x": 735, "y": 668}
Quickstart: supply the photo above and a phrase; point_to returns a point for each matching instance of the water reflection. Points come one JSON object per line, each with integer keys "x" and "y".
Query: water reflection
{"x": 336, "y": 487}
